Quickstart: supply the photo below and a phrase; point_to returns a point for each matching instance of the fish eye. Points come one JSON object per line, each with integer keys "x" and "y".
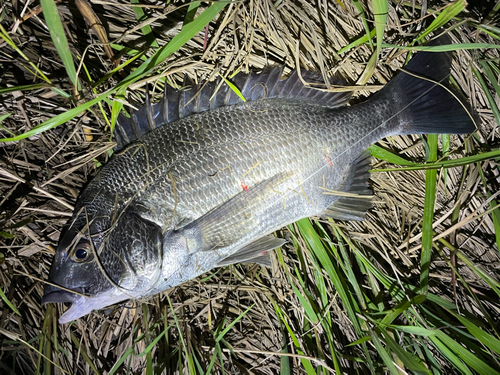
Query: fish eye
{"x": 81, "y": 252}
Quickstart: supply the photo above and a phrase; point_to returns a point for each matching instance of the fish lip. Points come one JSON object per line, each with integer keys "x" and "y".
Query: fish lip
{"x": 57, "y": 295}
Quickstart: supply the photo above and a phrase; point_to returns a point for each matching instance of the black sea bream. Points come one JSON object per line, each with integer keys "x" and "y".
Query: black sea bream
{"x": 216, "y": 177}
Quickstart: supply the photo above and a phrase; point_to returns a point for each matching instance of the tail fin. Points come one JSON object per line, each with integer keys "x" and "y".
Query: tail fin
{"x": 425, "y": 106}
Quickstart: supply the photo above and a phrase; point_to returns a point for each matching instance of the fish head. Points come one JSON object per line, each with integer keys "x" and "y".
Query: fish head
{"x": 106, "y": 267}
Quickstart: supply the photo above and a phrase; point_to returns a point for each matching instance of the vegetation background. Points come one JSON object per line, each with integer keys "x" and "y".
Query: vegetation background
{"x": 412, "y": 289}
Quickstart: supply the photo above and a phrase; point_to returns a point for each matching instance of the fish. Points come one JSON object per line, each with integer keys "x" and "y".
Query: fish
{"x": 202, "y": 179}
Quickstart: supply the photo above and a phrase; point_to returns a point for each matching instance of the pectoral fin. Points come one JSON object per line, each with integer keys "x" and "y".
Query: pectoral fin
{"x": 224, "y": 225}
{"x": 255, "y": 252}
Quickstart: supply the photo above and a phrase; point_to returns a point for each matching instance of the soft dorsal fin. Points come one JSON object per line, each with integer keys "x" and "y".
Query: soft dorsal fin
{"x": 354, "y": 208}
{"x": 177, "y": 104}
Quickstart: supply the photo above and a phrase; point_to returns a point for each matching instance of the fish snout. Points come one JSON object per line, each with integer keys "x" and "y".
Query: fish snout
{"x": 55, "y": 294}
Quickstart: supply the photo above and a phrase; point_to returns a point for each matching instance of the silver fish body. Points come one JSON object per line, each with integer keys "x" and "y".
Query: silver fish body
{"x": 207, "y": 189}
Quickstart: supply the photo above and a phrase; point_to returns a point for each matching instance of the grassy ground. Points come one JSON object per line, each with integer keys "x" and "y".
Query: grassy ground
{"x": 414, "y": 288}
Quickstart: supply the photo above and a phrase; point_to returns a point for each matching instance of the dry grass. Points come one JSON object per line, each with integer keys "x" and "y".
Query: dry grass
{"x": 41, "y": 177}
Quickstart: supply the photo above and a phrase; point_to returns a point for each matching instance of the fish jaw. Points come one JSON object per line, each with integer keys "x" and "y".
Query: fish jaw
{"x": 82, "y": 305}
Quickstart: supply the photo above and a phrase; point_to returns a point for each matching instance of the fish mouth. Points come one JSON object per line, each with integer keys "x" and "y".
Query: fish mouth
{"x": 57, "y": 295}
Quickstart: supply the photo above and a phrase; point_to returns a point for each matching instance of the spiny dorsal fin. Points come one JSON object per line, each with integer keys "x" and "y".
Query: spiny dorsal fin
{"x": 177, "y": 104}
{"x": 354, "y": 208}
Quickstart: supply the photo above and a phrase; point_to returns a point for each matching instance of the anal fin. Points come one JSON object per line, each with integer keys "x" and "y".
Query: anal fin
{"x": 354, "y": 207}
{"x": 255, "y": 252}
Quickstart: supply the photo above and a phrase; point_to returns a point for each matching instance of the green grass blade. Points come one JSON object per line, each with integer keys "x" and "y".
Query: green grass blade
{"x": 309, "y": 310}
{"x": 444, "y": 47}
{"x": 428, "y": 217}
{"x": 487, "y": 340}
{"x": 414, "y": 330}
{"x": 446, "y": 163}
{"x": 414, "y": 364}
{"x": 305, "y": 362}
{"x": 365, "y": 38}
{"x": 386, "y": 357}
{"x": 146, "y": 29}
{"x": 149, "y": 359}
{"x": 191, "y": 11}
{"x": 8, "y": 303}
{"x": 488, "y": 66}
{"x": 465, "y": 355}
{"x": 59, "y": 38}
{"x": 3, "y": 117}
{"x": 60, "y": 119}
{"x": 445, "y": 141}
{"x": 83, "y": 351}
{"x": 362, "y": 15}
{"x": 444, "y": 17}
{"x": 5, "y": 36}
{"x": 360, "y": 341}
{"x": 238, "y": 318}
{"x": 233, "y": 87}
{"x": 380, "y": 9}
{"x": 495, "y": 214}
{"x": 451, "y": 356}
{"x": 388, "y": 156}
{"x": 34, "y": 86}
{"x": 285, "y": 368}
{"x": 213, "y": 359}
{"x": 118, "y": 68}
{"x": 491, "y": 100}
{"x": 184, "y": 36}
{"x": 319, "y": 251}
{"x": 177, "y": 42}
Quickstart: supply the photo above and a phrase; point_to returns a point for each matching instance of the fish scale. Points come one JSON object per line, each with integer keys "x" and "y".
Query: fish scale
{"x": 215, "y": 178}
{"x": 300, "y": 148}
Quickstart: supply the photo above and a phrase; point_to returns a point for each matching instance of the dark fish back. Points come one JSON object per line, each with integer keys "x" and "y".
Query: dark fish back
{"x": 177, "y": 104}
